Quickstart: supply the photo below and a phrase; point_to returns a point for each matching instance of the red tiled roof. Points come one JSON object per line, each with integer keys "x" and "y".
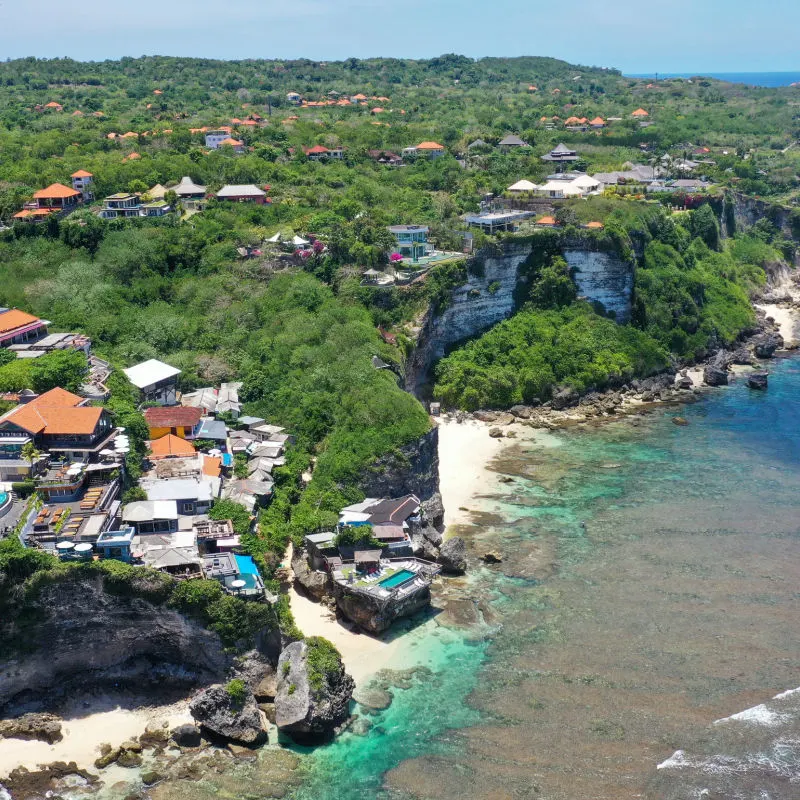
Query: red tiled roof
{"x": 318, "y": 148}
{"x": 174, "y": 417}
{"x": 56, "y": 412}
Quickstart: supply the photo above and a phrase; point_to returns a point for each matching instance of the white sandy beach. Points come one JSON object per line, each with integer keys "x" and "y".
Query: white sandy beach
{"x": 787, "y": 319}
{"x": 465, "y": 450}
{"x": 83, "y": 736}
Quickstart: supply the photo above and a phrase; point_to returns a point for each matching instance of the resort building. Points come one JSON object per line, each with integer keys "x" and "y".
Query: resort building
{"x": 428, "y": 149}
{"x": 493, "y": 221}
{"x": 60, "y": 423}
{"x": 242, "y": 193}
{"x": 386, "y": 157}
{"x": 237, "y": 574}
{"x": 560, "y": 155}
{"x": 55, "y": 199}
{"x": 511, "y": 142}
{"x": 522, "y": 187}
{"x": 187, "y": 189}
{"x": 412, "y": 240}
{"x": 147, "y": 517}
{"x": 191, "y": 495}
{"x": 122, "y": 204}
{"x": 157, "y": 381}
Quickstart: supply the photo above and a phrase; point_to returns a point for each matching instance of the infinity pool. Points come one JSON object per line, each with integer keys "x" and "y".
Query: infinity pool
{"x": 403, "y": 576}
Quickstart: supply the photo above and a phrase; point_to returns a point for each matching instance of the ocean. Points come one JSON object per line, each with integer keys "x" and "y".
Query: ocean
{"x": 764, "y": 79}
{"x": 648, "y": 589}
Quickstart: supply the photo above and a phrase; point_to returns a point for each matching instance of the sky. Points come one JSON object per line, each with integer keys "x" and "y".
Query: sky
{"x": 631, "y": 35}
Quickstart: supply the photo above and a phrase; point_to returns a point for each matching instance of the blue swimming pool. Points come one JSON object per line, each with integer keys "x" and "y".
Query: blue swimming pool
{"x": 399, "y": 578}
{"x": 246, "y": 565}
{"x": 3, "y": 498}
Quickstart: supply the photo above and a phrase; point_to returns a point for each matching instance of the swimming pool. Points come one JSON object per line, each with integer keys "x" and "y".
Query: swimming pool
{"x": 401, "y": 577}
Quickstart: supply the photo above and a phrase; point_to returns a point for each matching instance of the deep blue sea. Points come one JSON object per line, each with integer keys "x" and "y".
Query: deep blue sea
{"x": 765, "y": 79}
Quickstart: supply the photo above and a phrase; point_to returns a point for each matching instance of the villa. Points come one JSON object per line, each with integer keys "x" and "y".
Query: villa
{"x": 60, "y": 423}
{"x": 122, "y": 204}
{"x": 412, "y": 240}
{"x": 82, "y": 182}
{"x": 187, "y": 189}
{"x": 493, "y": 221}
{"x": 428, "y": 149}
{"x": 55, "y": 199}
{"x": 147, "y": 517}
{"x": 560, "y": 155}
{"x": 511, "y": 142}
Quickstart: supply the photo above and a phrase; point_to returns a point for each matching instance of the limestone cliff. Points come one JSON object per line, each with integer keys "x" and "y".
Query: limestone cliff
{"x": 496, "y": 286}
{"x": 86, "y": 637}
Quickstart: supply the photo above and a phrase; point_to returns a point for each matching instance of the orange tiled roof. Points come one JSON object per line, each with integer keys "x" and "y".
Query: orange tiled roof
{"x": 640, "y": 112}
{"x": 130, "y": 135}
{"x": 81, "y": 173}
{"x": 598, "y": 121}
{"x": 170, "y": 445}
{"x": 132, "y": 157}
{"x": 231, "y": 142}
{"x": 212, "y": 466}
{"x": 157, "y": 91}
{"x": 595, "y": 225}
{"x": 57, "y": 397}
{"x": 14, "y": 318}
{"x": 546, "y": 221}
{"x": 55, "y": 190}
{"x": 56, "y": 412}
{"x": 359, "y": 97}
{"x": 53, "y": 104}
{"x": 429, "y": 146}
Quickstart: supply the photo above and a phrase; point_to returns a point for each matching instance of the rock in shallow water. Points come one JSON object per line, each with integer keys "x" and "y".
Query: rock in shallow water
{"x": 453, "y": 556}
{"x": 43, "y": 727}
{"x": 758, "y": 380}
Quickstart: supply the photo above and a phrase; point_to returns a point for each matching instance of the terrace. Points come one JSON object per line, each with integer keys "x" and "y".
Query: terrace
{"x": 385, "y": 577}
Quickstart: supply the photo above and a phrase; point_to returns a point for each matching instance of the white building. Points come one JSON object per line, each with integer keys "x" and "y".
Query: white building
{"x": 157, "y": 381}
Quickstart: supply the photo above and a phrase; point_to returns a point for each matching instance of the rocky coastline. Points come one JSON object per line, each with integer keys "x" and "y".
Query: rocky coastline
{"x": 680, "y": 383}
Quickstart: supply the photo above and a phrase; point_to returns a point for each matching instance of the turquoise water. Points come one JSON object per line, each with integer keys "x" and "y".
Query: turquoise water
{"x": 648, "y": 587}
{"x": 3, "y": 498}
{"x": 396, "y": 579}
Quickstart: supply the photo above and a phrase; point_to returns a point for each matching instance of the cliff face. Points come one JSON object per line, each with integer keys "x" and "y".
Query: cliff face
{"x": 491, "y": 296}
{"x": 413, "y": 469}
{"x": 376, "y": 615}
{"x": 89, "y": 637}
{"x": 603, "y": 277}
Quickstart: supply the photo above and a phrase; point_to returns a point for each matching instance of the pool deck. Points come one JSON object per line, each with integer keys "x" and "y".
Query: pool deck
{"x": 423, "y": 573}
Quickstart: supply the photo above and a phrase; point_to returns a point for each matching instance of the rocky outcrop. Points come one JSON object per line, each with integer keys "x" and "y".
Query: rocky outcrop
{"x": 758, "y": 380}
{"x": 42, "y": 727}
{"x": 312, "y": 700}
{"x": 766, "y": 345}
{"x": 317, "y": 584}
{"x": 413, "y": 469}
{"x": 222, "y": 714}
{"x": 453, "y": 556}
{"x": 187, "y": 735}
{"x": 258, "y": 673}
{"x": 715, "y": 376}
{"x": 602, "y": 277}
{"x": 374, "y": 614}
{"x": 86, "y": 636}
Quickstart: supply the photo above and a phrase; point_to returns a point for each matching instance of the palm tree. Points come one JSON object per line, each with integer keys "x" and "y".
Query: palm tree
{"x": 30, "y": 453}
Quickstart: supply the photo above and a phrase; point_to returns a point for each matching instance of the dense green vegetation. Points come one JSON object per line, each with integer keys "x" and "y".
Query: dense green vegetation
{"x": 691, "y": 293}
{"x": 323, "y": 662}
{"x": 301, "y": 332}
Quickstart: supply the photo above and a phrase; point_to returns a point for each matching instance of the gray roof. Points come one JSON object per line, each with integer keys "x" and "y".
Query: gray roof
{"x": 241, "y": 190}
{"x": 213, "y": 429}
{"x": 248, "y": 421}
{"x": 188, "y": 187}
{"x": 323, "y": 538}
{"x": 476, "y": 143}
{"x": 512, "y": 140}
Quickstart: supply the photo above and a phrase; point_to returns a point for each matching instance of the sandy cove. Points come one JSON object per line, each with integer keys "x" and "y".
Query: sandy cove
{"x": 87, "y": 725}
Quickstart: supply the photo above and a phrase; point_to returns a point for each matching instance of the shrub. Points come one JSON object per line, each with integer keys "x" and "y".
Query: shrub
{"x": 237, "y": 691}
{"x": 323, "y": 662}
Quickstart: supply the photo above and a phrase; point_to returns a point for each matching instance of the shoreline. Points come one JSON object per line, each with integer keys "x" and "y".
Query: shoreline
{"x": 86, "y": 725}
